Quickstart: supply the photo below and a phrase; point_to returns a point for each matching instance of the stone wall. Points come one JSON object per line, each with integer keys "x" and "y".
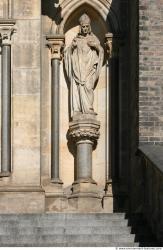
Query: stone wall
{"x": 151, "y": 71}
{"x": 21, "y": 192}
{"x": 31, "y": 96}
{"x": 26, "y": 92}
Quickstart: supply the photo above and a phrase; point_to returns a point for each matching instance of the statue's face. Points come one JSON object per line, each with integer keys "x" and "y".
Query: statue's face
{"x": 85, "y": 29}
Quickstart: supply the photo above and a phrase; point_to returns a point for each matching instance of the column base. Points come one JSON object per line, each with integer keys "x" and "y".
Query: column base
{"x": 86, "y": 204}
{"x": 80, "y": 187}
{"x": 85, "y": 197}
{"x": 84, "y": 180}
{"x": 5, "y": 174}
{"x": 56, "y": 181}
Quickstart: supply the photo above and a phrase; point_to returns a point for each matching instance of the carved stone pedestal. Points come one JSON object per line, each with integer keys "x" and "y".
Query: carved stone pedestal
{"x": 85, "y": 197}
{"x": 83, "y": 135}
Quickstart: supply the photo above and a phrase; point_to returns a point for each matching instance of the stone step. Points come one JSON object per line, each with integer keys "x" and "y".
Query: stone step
{"x": 34, "y": 239}
{"x": 66, "y": 230}
{"x": 67, "y": 244}
{"x": 62, "y": 216}
{"x": 76, "y": 230}
{"x": 70, "y": 222}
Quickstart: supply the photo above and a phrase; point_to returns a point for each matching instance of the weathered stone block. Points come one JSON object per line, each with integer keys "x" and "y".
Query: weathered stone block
{"x": 27, "y": 31}
{"x": 84, "y": 204}
{"x": 26, "y": 9}
{"x": 108, "y": 204}
{"x": 26, "y": 81}
{"x": 1, "y": 9}
{"x": 26, "y": 56}
{"x": 55, "y": 204}
{"x": 26, "y": 165}
{"x": 22, "y": 202}
{"x": 85, "y": 188}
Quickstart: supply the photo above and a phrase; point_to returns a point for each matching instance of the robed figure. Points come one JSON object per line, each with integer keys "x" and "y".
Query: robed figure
{"x": 83, "y": 61}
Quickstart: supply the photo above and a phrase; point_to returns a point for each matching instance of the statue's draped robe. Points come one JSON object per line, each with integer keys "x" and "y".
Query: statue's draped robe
{"x": 83, "y": 64}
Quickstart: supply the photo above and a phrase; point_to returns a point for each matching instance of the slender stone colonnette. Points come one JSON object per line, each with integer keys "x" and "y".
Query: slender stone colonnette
{"x": 6, "y": 31}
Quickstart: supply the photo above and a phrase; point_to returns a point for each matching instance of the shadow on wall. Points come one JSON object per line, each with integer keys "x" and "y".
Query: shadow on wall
{"x": 52, "y": 9}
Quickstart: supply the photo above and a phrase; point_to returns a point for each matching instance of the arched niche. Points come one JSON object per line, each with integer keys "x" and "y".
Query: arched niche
{"x": 100, "y": 27}
{"x": 102, "y": 7}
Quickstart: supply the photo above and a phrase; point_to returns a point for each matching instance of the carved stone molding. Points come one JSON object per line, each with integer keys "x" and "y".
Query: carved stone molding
{"x": 56, "y": 45}
{"x": 78, "y": 134}
{"x": 79, "y": 131}
{"x": 7, "y": 28}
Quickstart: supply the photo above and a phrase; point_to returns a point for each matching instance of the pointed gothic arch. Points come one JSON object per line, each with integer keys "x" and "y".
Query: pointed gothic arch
{"x": 102, "y": 7}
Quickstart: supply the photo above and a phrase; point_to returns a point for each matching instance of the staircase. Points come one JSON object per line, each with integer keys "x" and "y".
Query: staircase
{"x": 66, "y": 230}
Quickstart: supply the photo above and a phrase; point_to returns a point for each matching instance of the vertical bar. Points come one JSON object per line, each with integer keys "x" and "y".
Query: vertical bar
{"x": 107, "y": 121}
{"x": 55, "y": 121}
{"x": 115, "y": 117}
{"x": 9, "y": 9}
{"x": 6, "y": 110}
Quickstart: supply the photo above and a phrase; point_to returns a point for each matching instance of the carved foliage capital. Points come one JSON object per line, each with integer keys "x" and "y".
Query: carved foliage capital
{"x": 56, "y": 45}
{"x": 6, "y": 31}
{"x": 80, "y": 132}
{"x": 84, "y": 134}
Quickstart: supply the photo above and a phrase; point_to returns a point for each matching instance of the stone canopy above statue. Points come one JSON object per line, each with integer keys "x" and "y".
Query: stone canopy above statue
{"x": 83, "y": 61}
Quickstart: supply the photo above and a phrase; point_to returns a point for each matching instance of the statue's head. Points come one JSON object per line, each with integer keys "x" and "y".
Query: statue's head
{"x": 85, "y": 24}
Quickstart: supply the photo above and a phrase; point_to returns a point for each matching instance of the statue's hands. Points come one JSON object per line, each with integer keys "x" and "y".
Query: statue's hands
{"x": 93, "y": 44}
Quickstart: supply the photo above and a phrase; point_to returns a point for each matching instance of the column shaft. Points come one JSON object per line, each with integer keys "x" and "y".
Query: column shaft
{"x": 84, "y": 159}
{"x": 55, "y": 120}
{"x": 6, "y": 110}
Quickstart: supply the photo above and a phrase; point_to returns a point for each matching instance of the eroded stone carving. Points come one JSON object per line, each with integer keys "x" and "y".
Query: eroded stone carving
{"x": 109, "y": 44}
{"x": 83, "y": 61}
{"x": 56, "y": 45}
{"x": 6, "y": 33}
{"x": 78, "y": 134}
{"x": 84, "y": 130}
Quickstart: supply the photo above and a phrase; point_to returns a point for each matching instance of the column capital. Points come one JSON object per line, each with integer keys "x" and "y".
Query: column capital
{"x": 56, "y": 45}
{"x": 112, "y": 44}
{"x": 7, "y": 28}
{"x": 85, "y": 131}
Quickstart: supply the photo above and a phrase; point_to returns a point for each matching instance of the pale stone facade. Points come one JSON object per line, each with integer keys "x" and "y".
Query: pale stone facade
{"x": 30, "y": 174}
{"x": 39, "y": 163}
{"x": 52, "y": 163}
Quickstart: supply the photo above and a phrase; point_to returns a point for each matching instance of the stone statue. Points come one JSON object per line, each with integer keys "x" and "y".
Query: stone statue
{"x": 83, "y": 61}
